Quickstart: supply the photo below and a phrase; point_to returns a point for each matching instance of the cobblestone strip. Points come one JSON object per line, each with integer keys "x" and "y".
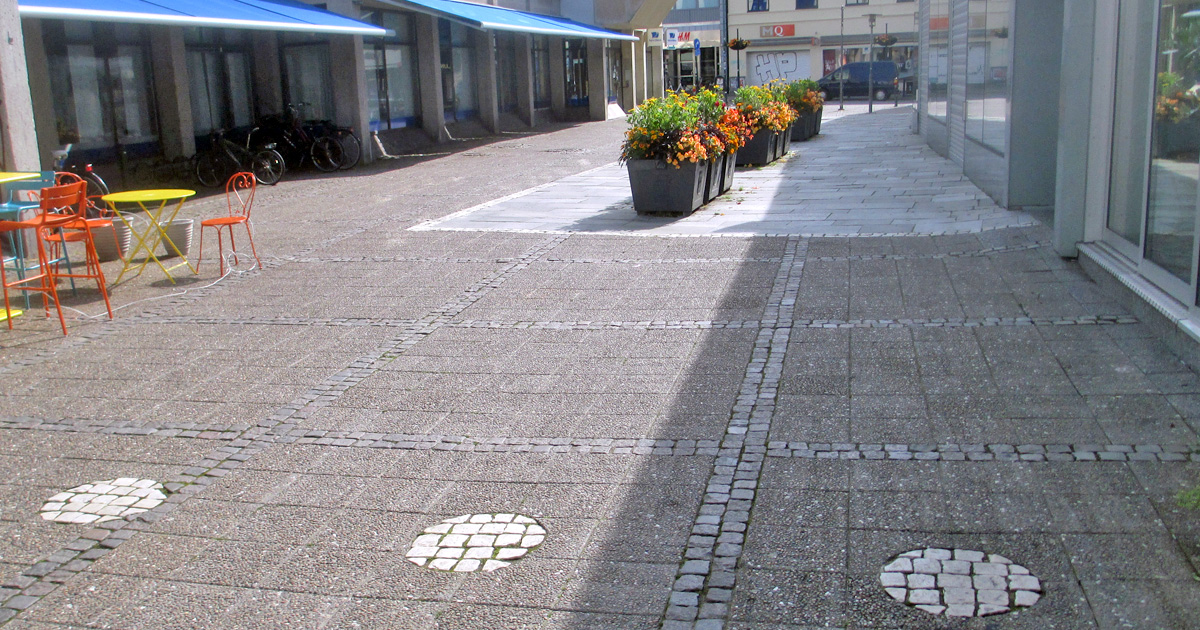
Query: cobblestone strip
{"x": 125, "y": 427}
{"x": 770, "y": 322}
{"x": 989, "y": 452}
{"x": 39, "y": 580}
{"x": 978, "y": 253}
{"x": 287, "y": 321}
{"x": 626, "y": 445}
{"x": 398, "y": 259}
{"x": 703, "y": 587}
{"x": 661, "y": 261}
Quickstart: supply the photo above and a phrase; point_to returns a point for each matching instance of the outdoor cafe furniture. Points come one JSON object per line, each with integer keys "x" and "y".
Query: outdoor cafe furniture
{"x": 239, "y": 196}
{"x": 72, "y": 199}
{"x": 48, "y": 216}
{"x": 161, "y": 207}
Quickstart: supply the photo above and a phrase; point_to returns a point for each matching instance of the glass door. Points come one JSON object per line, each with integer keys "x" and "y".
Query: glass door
{"x": 1154, "y": 183}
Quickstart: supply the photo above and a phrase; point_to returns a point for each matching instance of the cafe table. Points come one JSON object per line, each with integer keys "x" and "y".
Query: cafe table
{"x": 161, "y": 206}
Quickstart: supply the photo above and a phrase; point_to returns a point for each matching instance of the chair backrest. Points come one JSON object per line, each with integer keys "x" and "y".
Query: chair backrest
{"x": 239, "y": 193}
{"x": 65, "y": 199}
{"x": 96, "y": 208}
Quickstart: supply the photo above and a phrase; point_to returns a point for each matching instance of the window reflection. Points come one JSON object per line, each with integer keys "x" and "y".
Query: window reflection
{"x": 1175, "y": 140}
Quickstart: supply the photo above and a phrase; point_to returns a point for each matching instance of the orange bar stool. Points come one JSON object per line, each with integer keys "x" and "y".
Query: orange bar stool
{"x": 71, "y": 200}
{"x": 239, "y": 195}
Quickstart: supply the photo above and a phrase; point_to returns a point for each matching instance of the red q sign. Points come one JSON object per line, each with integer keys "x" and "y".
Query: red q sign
{"x": 777, "y": 30}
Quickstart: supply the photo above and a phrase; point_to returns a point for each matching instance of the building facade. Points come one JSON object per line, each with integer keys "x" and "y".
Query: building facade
{"x": 808, "y": 39}
{"x": 1090, "y": 111}
{"x": 123, "y": 82}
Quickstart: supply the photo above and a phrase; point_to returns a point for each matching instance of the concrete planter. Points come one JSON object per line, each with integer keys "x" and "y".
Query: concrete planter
{"x": 661, "y": 189}
{"x": 761, "y": 148}
{"x": 180, "y": 232}
{"x": 112, "y": 241}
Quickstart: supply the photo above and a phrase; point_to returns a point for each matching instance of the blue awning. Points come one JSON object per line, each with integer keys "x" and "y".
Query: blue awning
{"x": 270, "y": 15}
{"x": 492, "y": 18}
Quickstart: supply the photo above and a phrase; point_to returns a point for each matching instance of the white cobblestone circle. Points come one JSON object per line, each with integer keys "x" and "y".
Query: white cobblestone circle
{"x": 102, "y": 501}
{"x": 959, "y": 582}
{"x": 476, "y": 542}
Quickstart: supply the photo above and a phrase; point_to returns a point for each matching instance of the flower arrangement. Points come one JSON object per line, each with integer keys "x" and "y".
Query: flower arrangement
{"x": 737, "y": 43}
{"x": 804, "y": 95}
{"x": 765, "y": 106}
{"x": 1173, "y": 103}
{"x": 682, "y": 127}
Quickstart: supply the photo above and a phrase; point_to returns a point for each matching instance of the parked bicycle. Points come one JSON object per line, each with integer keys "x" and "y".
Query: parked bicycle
{"x": 325, "y": 146}
{"x": 96, "y": 188}
{"x": 225, "y": 157}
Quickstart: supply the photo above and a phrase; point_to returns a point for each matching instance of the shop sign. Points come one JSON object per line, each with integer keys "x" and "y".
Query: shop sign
{"x": 777, "y": 30}
{"x": 654, "y": 37}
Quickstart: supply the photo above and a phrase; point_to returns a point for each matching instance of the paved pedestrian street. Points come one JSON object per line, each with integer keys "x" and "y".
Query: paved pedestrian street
{"x": 472, "y": 390}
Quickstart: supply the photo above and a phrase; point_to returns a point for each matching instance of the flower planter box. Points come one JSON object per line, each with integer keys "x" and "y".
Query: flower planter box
{"x": 730, "y": 168}
{"x": 661, "y": 189}
{"x": 801, "y": 128}
{"x": 760, "y": 149}
{"x": 811, "y": 122}
{"x": 717, "y": 172}
{"x": 820, "y": 114}
{"x": 785, "y": 140}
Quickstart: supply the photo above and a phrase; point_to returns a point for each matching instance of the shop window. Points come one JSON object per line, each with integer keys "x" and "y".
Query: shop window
{"x": 575, "y": 57}
{"x": 103, "y": 100}
{"x": 1175, "y": 144}
{"x": 391, "y": 72}
{"x": 307, "y": 78}
{"x": 219, "y": 78}
{"x": 458, "y": 71}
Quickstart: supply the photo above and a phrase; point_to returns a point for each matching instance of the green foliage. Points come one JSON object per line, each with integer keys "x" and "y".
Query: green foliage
{"x": 1168, "y": 83}
{"x": 1189, "y": 499}
{"x": 657, "y": 126}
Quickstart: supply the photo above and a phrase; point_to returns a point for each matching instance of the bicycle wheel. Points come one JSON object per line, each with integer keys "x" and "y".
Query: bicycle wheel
{"x": 95, "y": 185}
{"x": 351, "y": 149}
{"x": 211, "y": 169}
{"x": 268, "y": 166}
{"x": 326, "y": 154}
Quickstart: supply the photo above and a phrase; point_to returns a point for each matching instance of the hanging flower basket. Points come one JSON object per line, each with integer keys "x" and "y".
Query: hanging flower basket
{"x": 886, "y": 41}
{"x": 738, "y": 43}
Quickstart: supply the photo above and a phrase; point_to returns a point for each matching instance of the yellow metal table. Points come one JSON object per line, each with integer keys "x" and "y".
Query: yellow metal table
{"x": 155, "y": 204}
{"x": 6, "y": 177}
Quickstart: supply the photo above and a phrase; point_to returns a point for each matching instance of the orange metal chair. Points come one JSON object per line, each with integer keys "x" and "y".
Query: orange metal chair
{"x": 239, "y": 194}
{"x": 47, "y": 218}
{"x": 98, "y": 215}
{"x": 71, "y": 200}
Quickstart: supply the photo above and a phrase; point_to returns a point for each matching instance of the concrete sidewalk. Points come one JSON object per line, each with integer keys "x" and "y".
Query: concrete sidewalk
{"x": 852, "y": 394}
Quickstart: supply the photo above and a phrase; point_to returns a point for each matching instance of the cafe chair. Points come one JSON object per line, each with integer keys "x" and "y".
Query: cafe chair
{"x": 44, "y": 218}
{"x": 239, "y": 196}
{"x": 98, "y": 215}
{"x": 71, "y": 200}
{"x": 21, "y": 201}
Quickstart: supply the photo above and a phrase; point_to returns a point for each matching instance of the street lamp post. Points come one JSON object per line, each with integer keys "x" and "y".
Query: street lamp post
{"x": 871, "y": 66}
{"x": 842, "y": 61}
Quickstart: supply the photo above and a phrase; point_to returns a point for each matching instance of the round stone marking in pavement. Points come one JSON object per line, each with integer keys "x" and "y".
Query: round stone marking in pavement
{"x": 959, "y": 582}
{"x": 476, "y": 542}
{"x": 102, "y": 501}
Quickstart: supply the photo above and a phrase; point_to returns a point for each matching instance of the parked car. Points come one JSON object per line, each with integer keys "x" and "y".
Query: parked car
{"x": 856, "y": 77}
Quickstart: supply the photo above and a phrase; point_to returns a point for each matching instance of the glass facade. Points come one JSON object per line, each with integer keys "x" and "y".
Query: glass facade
{"x": 458, "y": 71}
{"x": 1155, "y": 160}
{"x": 575, "y": 57}
{"x": 988, "y": 73}
{"x": 219, "y": 78}
{"x": 100, "y": 81}
{"x": 391, "y": 72}
{"x": 937, "y": 62}
{"x": 1175, "y": 142}
{"x": 307, "y": 79}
